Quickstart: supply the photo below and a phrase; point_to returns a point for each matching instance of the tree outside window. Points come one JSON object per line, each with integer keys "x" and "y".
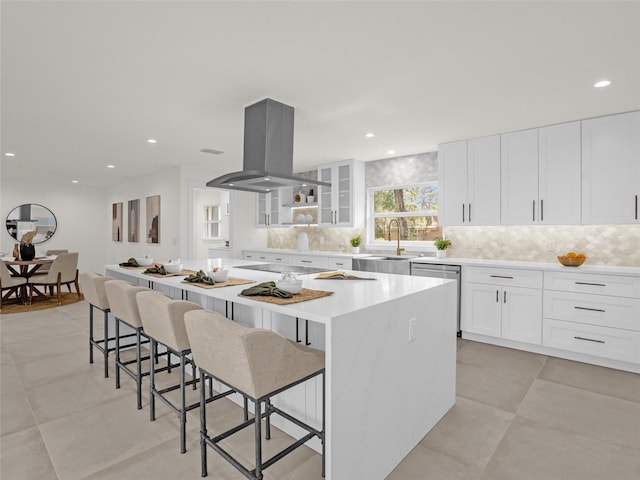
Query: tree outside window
{"x": 414, "y": 206}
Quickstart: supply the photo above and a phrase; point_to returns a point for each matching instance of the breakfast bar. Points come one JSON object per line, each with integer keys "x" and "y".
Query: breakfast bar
{"x": 390, "y": 347}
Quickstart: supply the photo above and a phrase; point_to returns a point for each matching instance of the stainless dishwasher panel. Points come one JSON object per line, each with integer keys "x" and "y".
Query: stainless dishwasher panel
{"x": 437, "y": 270}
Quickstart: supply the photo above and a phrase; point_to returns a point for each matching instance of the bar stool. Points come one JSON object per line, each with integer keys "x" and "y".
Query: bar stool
{"x": 124, "y": 307}
{"x": 163, "y": 322}
{"x": 92, "y": 284}
{"x": 258, "y": 364}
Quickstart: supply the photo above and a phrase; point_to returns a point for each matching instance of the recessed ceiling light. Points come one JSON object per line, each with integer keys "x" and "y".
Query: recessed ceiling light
{"x": 266, "y": 179}
{"x": 390, "y": 152}
{"x": 74, "y": 181}
{"x": 370, "y": 135}
{"x": 231, "y": 184}
{"x": 111, "y": 166}
{"x": 152, "y": 140}
{"x": 304, "y": 184}
{"x": 9, "y": 154}
{"x": 602, "y": 83}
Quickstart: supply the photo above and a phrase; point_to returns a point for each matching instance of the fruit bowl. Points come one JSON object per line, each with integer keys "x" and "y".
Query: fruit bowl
{"x": 571, "y": 261}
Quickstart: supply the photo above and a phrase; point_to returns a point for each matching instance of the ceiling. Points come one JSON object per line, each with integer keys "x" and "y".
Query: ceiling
{"x": 85, "y": 84}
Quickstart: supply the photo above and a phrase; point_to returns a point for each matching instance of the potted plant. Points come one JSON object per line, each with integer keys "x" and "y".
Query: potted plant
{"x": 355, "y": 244}
{"x": 311, "y": 197}
{"x": 441, "y": 244}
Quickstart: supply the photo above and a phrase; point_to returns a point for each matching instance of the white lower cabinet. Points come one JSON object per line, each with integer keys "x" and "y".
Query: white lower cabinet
{"x": 508, "y": 304}
{"x": 339, "y": 263}
{"x": 596, "y": 315}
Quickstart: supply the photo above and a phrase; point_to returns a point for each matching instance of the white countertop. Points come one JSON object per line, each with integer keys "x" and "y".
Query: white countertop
{"x": 349, "y": 295}
{"x": 554, "y": 266}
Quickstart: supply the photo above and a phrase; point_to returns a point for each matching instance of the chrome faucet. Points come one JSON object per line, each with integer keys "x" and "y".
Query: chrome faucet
{"x": 398, "y": 249}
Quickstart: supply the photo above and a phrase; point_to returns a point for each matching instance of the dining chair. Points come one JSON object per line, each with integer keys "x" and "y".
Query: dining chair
{"x": 9, "y": 283}
{"x": 44, "y": 269}
{"x": 63, "y": 271}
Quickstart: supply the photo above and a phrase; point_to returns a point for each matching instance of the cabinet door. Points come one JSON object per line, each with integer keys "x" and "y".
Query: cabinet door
{"x": 522, "y": 314}
{"x": 559, "y": 174}
{"x": 274, "y": 208}
{"x": 261, "y": 210}
{"x": 325, "y": 205}
{"x": 611, "y": 169}
{"x": 452, "y": 159}
{"x": 483, "y": 181}
{"x": 519, "y": 178}
{"x": 342, "y": 195}
{"x": 481, "y": 305}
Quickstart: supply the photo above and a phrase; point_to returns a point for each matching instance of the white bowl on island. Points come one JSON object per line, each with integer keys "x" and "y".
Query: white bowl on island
{"x": 219, "y": 275}
{"x": 144, "y": 261}
{"x": 172, "y": 267}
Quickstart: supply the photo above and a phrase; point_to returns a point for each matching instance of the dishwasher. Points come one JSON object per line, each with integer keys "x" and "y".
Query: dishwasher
{"x": 438, "y": 270}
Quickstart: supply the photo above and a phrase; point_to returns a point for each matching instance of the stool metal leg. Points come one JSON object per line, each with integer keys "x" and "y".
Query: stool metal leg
{"x": 90, "y": 333}
{"x": 268, "y": 419}
{"x": 139, "y": 369}
{"x": 183, "y": 405}
{"x": 106, "y": 345}
{"x": 323, "y": 421}
{"x": 152, "y": 400}
{"x": 258, "y": 423}
{"x": 117, "y": 352}
{"x": 203, "y": 425}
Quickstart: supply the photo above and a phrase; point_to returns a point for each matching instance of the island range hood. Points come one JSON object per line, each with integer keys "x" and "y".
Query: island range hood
{"x": 268, "y": 151}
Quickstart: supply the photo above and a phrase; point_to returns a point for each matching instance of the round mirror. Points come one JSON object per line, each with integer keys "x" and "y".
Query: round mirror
{"x": 31, "y": 217}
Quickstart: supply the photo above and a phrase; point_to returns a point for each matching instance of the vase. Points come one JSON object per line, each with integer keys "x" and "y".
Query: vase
{"x": 27, "y": 251}
{"x": 355, "y": 250}
{"x": 441, "y": 253}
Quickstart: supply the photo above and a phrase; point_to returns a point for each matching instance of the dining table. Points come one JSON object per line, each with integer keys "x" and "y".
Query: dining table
{"x": 27, "y": 269}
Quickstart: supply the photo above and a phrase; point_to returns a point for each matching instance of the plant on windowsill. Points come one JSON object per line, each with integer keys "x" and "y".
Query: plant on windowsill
{"x": 355, "y": 244}
{"x": 441, "y": 244}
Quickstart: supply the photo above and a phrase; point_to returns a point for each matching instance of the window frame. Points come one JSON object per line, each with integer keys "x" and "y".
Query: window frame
{"x": 371, "y": 215}
{"x": 206, "y": 222}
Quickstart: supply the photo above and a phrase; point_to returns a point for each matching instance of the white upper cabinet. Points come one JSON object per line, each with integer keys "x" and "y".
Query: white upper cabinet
{"x": 540, "y": 176}
{"x": 611, "y": 169}
{"x": 342, "y": 204}
{"x": 470, "y": 182}
{"x": 268, "y": 209}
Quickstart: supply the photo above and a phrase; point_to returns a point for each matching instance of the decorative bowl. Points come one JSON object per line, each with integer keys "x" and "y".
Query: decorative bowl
{"x": 571, "y": 261}
{"x": 172, "y": 267}
{"x": 219, "y": 275}
{"x": 144, "y": 261}
{"x": 291, "y": 286}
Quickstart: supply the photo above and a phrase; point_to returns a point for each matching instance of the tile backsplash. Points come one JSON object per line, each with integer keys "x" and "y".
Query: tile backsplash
{"x": 602, "y": 244}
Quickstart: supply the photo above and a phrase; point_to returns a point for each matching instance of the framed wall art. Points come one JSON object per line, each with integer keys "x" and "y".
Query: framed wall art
{"x": 116, "y": 222}
{"x": 153, "y": 219}
{"x": 133, "y": 221}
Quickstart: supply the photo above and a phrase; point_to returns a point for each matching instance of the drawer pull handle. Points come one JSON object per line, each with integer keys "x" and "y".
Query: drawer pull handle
{"x": 589, "y": 339}
{"x": 305, "y": 261}
{"x": 497, "y": 296}
{"x": 590, "y": 309}
{"x": 592, "y": 284}
{"x": 501, "y": 276}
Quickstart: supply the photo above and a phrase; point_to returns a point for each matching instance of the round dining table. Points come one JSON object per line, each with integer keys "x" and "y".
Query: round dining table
{"x": 26, "y": 269}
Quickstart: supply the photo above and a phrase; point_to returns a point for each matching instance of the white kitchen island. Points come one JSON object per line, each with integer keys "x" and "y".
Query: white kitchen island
{"x": 390, "y": 348}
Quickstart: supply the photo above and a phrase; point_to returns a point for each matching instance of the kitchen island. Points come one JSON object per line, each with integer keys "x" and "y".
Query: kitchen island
{"x": 390, "y": 348}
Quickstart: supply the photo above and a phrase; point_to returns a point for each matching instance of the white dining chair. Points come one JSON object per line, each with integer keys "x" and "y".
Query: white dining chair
{"x": 10, "y": 284}
{"x": 63, "y": 271}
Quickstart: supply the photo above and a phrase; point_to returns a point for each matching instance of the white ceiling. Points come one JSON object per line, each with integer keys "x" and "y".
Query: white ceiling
{"x": 84, "y": 84}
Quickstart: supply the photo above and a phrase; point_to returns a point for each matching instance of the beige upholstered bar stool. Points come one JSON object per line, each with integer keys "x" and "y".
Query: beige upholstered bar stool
{"x": 163, "y": 322}
{"x": 258, "y": 364}
{"x": 124, "y": 307}
{"x": 92, "y": 285}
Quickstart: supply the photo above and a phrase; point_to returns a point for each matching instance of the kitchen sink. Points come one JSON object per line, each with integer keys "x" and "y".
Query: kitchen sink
{"x": 382, "y": 264}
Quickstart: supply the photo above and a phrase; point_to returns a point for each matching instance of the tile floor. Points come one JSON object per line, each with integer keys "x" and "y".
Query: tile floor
{"x": 518, "y": 416}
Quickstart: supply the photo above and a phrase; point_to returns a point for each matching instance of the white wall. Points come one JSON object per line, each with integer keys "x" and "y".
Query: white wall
{"x": 82, "y": 215}
{"x": 166, "y": 184}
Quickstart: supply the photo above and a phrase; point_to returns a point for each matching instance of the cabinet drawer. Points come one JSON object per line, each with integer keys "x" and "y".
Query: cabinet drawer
{"x": 590, "y": 283}
{"x": 308, "y": 260}
{"x": 606, "y": 342}
{"x": 339, "y": 263}
{"x": 616, "y": 312}
{"x": 503, "y": 276}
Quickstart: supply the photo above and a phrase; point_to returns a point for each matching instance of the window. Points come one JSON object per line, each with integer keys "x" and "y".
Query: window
{"x": 415, "y": 207}
{"x": 212, "y": 223}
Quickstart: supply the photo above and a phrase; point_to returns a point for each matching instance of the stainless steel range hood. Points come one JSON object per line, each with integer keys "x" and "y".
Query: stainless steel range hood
{"x": 268, "y": 151}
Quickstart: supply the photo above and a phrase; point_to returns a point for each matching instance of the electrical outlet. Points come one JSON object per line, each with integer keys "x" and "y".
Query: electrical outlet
{"x": 551, "y": 246}
{"x": 412, "y": 329}
{"x": 478, "y": 244}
